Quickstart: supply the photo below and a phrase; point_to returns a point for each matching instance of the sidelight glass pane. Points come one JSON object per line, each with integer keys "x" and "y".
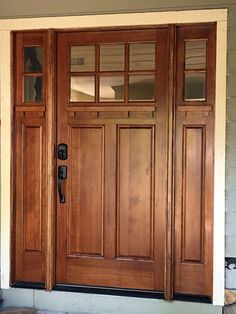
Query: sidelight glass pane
{"x": 195, "y": 86}
{"x": 142, "y": 56}
{"x": 141, "y": 87}
{"x": 112, "y": 57}
{"x": 33, "y": 88}
{"x": 82, "y": 88}
{"x": 33, "y": 59}
{"x": 82, "y": 59}
{"x": 111, "y": 88}
{"x": 195, "y": 54}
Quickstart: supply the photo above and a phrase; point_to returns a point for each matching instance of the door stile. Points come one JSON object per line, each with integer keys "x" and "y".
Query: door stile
{"x": 109, "y": 219}
{"x": 50, "y": 155}
{"x": 168, "y": 285}
{"x": 161, "y": 152}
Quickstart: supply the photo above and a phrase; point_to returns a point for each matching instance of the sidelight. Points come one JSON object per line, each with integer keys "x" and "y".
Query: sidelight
{"x": 33, "y": 59}
{"x": 195, "y": 70}
{"x": 33, "y": 88}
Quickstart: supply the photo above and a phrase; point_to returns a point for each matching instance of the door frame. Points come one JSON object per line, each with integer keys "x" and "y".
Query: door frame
{"x": 118, "y": 20}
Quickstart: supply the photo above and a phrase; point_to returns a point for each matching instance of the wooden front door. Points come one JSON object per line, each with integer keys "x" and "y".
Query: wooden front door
{"x": 113, "y": 154}
{"x": 112, "y": 114}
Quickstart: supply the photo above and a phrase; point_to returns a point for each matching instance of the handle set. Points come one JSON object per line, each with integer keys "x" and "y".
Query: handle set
{"x": 62, "y": 154}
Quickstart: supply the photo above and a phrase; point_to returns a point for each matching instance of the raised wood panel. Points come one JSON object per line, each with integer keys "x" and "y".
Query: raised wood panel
{"x": 86, "y": 190}
{"x": 32, "y": 186}
{"x": 29, "y": 202}
{"x": 135, "y": 192}
{"x": 112, "y": 273}
{"x": 193, "y": 193}
{"x": 193, "y": 204}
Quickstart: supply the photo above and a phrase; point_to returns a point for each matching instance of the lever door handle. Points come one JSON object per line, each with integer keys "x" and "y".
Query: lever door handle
{"x": 62, "y": 175}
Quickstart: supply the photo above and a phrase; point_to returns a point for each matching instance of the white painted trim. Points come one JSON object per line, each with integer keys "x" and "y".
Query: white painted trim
{"x": 5, "y": 102}
{"x": 219, "y": 165}
{"x": 126, "y": 19}
{"x": 131, "y": 19}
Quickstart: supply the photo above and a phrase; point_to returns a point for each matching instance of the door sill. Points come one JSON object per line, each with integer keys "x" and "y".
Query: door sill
{"x": 136, "y": 293}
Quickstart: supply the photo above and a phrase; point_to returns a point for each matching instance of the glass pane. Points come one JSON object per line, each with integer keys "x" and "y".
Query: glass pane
{"x": 33, "y": 88}
{"x": 111, "y": 88}
{"x": 33, "y": 59}
{"x": 195, "y": 54}
{"x": 195, "y": 85}
{"x": 142, "y": 87}
{"x": 82, "y": 58}
{"x": 112, "y": 57}
{"x": 142, "y": 56}
{"x": 82, "y": 88}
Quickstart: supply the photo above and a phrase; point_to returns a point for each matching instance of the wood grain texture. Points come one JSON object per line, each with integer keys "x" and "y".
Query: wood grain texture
{"x": 30, "y": 201}
{"x": 194, "y": 204}
{"x": 135, "y": 192}
{"x": 193, "y": 193}
{"x": 113, "y": 150}
{"x": 139, "y": 192}
{"x": 32, "y": 190}
{"x": 86, "y": 190}
{"x": 29, "y": 170}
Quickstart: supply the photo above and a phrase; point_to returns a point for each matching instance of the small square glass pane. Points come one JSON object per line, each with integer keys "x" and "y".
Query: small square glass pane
{"x": 142, "y": 56}
{"x": 33, "y": 86}
{"x": 82, "y": 89}
{"x": 195, "y": 54}
{"x": 112, "y": 57}
{"x": 33, "y": 59}
{"x": 111, "y": 88}
{"x": 141, "y": 87}
{"x": 195, "y": 86}
{"x": 82, "y": 59}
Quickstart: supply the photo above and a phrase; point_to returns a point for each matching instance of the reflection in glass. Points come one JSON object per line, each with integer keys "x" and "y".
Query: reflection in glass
{"x": 82, "y": 88}
{"x": 195, "y": 54}
{"x": 142, "y": 87}
{"x": 142, "y": 56}
{"x": 111, "y": 88}
{"x": 33, "y": 88}
{"x": 82, "y": 58}
{"x": 33, "y": 59}
{"x": 195, "y": 86}
{"x": 112, "y": 57}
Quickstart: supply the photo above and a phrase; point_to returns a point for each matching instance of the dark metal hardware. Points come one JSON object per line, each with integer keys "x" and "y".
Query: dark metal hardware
{"x": 62, "y": 151}
{"x": 62, "y": 175}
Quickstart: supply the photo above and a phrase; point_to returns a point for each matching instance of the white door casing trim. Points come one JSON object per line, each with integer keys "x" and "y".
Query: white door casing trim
{"x": 109, "y": 20}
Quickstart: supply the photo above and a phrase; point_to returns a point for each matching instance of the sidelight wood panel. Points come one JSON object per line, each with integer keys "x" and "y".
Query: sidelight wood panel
{"x": 135, "y": 192}
{"x": 30, "y": 201}
{"x": 86, "y": 190}
{"x": 32, "y": 189}
{"x": 193, "y": 193}
{"x": 194, "y": 203}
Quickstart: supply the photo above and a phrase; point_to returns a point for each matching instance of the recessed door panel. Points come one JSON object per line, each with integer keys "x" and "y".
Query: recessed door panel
{"x": 135, "y": 199}
{"x": 86, "y": 190}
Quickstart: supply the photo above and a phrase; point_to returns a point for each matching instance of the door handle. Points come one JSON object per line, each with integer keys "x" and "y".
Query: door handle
{"x": 62, "y": 175}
